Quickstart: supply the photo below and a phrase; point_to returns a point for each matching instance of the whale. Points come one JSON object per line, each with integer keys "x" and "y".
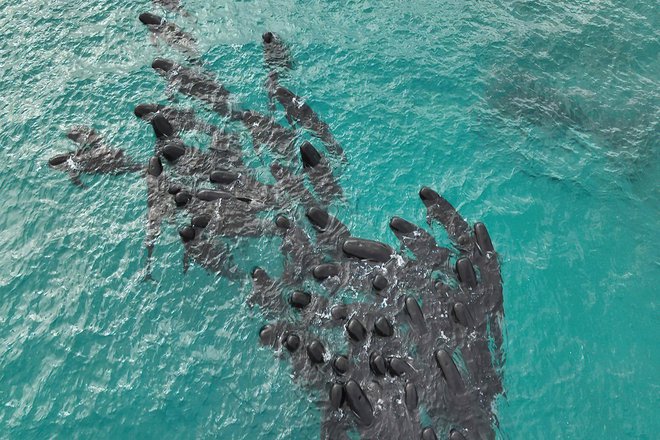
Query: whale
{"x": 290, "y": 188}
{"x": 266, "y": 131}
{"x": 194, "y": 83}
{"x": 93, "y": 156}
{"x": 298, "y": 112}
{"x": 276, "y": 53}
{"x": 318, "y": 171}
{"x": 211, "y": 255}
{"x": 160, "y": 206}
{"x": 330, "y": 231}
{"x": 170, "y": 33}
{"x": 392, "y": 354}
{"x": 421, "y": 243}
{"x": 297, "y": 249}
{"x": 222, "y": 163}
{"x": 182, "y": 119}
{"x": 189, "y": 161}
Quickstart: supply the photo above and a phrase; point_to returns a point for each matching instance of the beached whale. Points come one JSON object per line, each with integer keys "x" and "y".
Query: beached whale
{"x": 434, "y": 344}
{"x": 276, "y": 53}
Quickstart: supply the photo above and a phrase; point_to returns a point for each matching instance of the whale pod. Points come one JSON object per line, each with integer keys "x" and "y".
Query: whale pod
{"x": 367, "y": 250}
{"x": 358, "y": 402}
{"x": 449, "y": 370}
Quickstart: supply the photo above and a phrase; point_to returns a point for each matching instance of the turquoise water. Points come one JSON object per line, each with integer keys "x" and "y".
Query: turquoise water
{"x": 539, "y": 118}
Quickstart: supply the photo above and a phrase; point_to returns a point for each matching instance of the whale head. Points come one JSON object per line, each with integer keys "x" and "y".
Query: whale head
{"x": 150, "y": 19}
{"x": 162, "y": 64}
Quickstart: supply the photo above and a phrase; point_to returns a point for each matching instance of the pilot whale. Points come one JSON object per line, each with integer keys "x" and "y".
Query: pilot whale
{"x": 169, "y": 32}
{"x": 266, "y": 131}
{"x": 318, "y": 170}
{"x": 276, "y": 53}
{"x": 299, "y": 112}
{"x": 194, "y": 83}
{"x": 93, "y": 156}
{"x": 181, "y": 119}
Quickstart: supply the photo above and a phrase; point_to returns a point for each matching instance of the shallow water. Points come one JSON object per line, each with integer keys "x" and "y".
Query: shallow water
{"x": 538, "y": 118}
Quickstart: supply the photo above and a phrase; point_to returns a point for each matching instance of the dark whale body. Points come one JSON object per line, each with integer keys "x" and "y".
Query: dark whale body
{"x": 299, "y": 112}
{"x": 276, "y": 53}
{"x": 181, "y": 119}
{"x": 170, "y": 33}
{"x": 92, "y": 157}
{"x": 266, "y": 131}
{"x": 195, "y": 84}
{"x": 319, "y": 173}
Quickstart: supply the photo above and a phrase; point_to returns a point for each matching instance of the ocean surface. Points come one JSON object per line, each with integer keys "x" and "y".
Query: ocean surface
{"x": 539, "y": 118}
